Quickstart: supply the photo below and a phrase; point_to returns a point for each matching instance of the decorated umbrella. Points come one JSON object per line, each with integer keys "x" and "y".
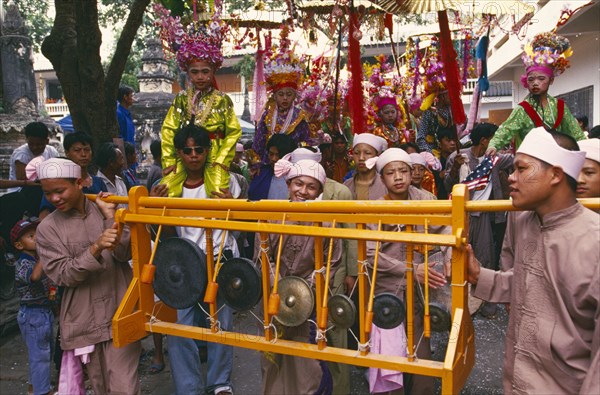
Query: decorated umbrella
{"x": 418, "y": 6}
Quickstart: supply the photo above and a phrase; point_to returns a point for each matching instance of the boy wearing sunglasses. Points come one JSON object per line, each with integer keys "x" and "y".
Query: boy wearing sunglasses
{"x": 193, "y": 147}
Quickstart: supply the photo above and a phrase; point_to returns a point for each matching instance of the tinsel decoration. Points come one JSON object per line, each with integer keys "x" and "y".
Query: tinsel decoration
{"x": 356, "y": 89}
{"x": 451, "y": 69}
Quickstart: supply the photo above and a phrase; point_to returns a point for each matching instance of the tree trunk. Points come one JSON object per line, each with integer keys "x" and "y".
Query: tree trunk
{"x": 73, "y": 48}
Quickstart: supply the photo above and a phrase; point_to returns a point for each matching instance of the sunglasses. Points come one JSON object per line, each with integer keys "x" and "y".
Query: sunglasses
{"x": 198, "y": 149}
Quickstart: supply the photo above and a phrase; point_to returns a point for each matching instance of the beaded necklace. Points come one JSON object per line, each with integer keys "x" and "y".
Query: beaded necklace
{"x": 205, "y": 109}
{"x": 286, "y": 123}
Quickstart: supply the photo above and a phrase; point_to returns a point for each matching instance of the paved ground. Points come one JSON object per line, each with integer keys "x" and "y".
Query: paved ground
{"x": 485, "y": 377}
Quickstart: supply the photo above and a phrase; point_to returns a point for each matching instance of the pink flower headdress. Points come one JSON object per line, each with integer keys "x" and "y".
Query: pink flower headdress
{"x": 196, "y": 40}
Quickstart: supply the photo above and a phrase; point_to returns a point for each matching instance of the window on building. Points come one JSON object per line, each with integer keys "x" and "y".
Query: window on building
{"x": 580, "y": 102}
{"x": 55, "y": 93}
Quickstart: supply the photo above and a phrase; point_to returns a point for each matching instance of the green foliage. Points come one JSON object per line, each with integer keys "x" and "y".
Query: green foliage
{"x": 35, "y": 16}
{"x": 245, "y": 68}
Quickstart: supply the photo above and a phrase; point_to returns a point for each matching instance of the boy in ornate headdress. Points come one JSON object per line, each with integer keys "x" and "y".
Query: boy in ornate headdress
{"x": 545, "y": 57}
{"x": 386, "y": 116}
{"x": 283, "y": 74}
{"x": 198, "y": 52}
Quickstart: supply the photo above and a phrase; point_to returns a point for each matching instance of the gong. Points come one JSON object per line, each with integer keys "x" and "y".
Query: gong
{"x": 342, "y": 312}
{"x": 180, "y": 278}
{"x": 388, "y": 311}
{"x": 240, "y": 284}
{"x": 439, "y": 316}
{"x": 296, "y": 301}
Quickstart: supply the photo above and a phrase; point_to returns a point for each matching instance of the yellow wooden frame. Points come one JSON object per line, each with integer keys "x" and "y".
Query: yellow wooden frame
{"x": 138, "y": 314}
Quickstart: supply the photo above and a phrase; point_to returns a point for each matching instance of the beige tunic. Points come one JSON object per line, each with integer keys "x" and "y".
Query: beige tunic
{"x": 553, "y": 285}
{"x": 391, "y": 271}
{"x": 286, "y": 374}
{"x": 376, "y": 190}
{"x": 93, "y": 288}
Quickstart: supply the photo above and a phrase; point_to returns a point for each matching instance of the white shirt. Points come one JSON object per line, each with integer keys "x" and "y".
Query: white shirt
{"x": 118, "y": 188}
{"x": 23, "y": 154}
{"x": 197, "y": 235}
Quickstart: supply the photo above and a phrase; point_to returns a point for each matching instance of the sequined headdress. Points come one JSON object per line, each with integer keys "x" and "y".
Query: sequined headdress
{"x": 546, "y": 52}
{"x": 282, "y": 68}
{"x": 196, "y": 40}
{"x": 435, "y": 78}
{"x": 384, "y": 87}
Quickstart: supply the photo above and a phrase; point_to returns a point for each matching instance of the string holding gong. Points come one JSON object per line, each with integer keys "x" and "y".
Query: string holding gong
{"x": 297, "y": 301}
{"x": 239, "y": 284}
{"x": 342, "y": 311}
{"x": 180, "y": 278}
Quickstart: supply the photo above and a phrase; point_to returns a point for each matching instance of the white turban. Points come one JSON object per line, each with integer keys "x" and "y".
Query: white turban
{"x": 40, "y": 169}
{"x": 378, "y": 143}
{"x": 304, "y": 167}
{"x": 239, "y": 147}
{"x": 541, "y": 145}
{"x": 303, "y": 154}
{"x": 389, "y": 155}
{"x": 418, "y": 159}
{"x": 591, "y": 148}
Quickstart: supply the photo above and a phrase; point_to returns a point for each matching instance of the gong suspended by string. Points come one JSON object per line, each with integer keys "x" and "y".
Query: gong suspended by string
{"x": 180, "y": 279}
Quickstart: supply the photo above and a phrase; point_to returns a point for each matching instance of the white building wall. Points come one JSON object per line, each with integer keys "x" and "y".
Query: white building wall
{"x": 504, "y": 61}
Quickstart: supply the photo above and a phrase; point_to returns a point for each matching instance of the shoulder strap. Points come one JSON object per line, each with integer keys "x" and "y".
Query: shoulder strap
{"x": 560, "y": 112}
{"x": 532, "y": 114}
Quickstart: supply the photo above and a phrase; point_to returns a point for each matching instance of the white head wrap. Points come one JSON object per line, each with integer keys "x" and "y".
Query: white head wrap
{"x": 541, "y": 145}
{"x": 591, "y": 148}
{"x": 389, "y": 155}
{"x": 418, "y": 159}
{"x": 40, "y": 169}
{"x": 376, "y": 142}
{"x": 303, "y": 154}
{"x": 239, "y": 147}
{"x": 304, "y": 167}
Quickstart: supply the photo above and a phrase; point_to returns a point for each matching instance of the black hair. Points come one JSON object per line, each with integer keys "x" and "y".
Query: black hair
{"x": 155, "y": 149}
{"x": 37, "y": 129}
{"x": 77, "y": 137}
{"x": 482, "y": 130}
{"x": 412, "y": 145}
{"x": 124, "y": 90}
{"x": 569, "y": 143}
{"x": 107, "y": 153}
{"x": 594, "y": 133}
{"x": 129, "y": 148}
{"x": 584, "y": 120}
{"x": 445, "y": 132}
{"x": 196, "y": 133}
{"x": 248, "y": 145}
{"x": 338, "y": 136}
{"x": 284, "y": 144}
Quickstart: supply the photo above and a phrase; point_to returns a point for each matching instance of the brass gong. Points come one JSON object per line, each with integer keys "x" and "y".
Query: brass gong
{"x": 342, "y": 311}
{"x": 240, "y": 284}
{"x": 296, "y": 301}
{"x": 388, "y": 311}
{"x": 180, "y": 278}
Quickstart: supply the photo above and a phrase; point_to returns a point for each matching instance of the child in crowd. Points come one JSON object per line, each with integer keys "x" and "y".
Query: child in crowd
{"x": 155, "y": 171}
{"x": 36, "y": 315}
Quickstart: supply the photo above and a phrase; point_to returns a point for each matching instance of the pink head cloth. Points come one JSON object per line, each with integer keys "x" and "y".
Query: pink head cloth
{"x": 40, "y": 169}
{"x": 304, "y": 167}
{"x": 380, "y": 102}
{"x": 539, "y": 68}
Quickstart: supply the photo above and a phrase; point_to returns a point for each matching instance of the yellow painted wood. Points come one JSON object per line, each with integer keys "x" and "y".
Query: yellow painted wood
{"x": 138, "y": 314}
